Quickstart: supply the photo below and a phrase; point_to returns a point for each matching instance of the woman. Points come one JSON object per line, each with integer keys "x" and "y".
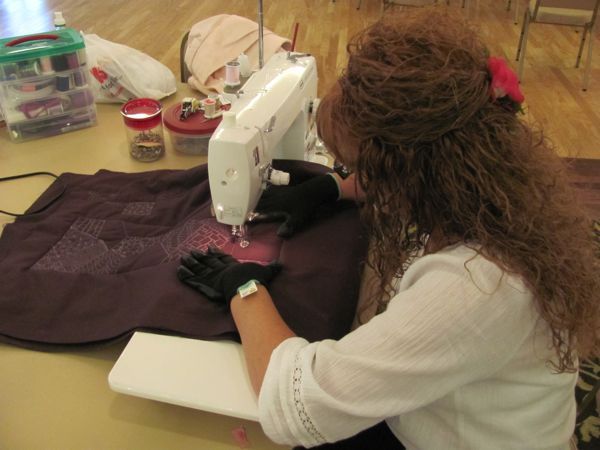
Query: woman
{"x": 488, "y": 286}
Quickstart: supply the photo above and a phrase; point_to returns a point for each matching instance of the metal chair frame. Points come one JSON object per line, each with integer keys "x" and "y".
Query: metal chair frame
{"x": 399, "y": 3}
{"x": 531, "y": 16}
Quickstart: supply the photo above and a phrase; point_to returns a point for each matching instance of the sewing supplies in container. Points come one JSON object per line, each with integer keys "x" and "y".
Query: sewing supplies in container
{"x": 191, "y": 134}
{"x": 44, "y": 87}
{"x": 143, "y": 125}
{"x": 189, "y": 106}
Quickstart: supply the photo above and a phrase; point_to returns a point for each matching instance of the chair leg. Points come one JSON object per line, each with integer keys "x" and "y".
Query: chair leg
{"x": 581, "y": 45}
{"x": 184, "y": 73}
{"x": 523, "y": 46}
{"x": 588, "y": 63}
{"x": 523, "y": 28}
{"x": 359, "y": 3}
{"x": 517, "y": 11}
{"x": 508, "y": 5}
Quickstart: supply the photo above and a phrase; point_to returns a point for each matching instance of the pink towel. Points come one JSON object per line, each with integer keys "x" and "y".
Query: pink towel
{"x": 219, "y": 39}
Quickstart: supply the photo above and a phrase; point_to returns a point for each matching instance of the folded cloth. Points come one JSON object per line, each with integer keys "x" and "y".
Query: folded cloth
{"x": 101, "y": 262}
{"x": 215, "y": 41}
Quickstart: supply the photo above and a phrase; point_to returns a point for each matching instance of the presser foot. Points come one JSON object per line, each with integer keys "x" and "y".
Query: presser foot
{"x": 238, "y": 234}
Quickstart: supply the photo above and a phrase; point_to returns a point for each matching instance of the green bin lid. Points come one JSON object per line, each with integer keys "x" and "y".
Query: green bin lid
{"x": 32, "y": 46}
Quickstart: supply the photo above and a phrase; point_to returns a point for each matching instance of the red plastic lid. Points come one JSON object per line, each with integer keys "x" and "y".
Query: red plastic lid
{"x": 142, "y": 113}
{"x": 194, "y": 124}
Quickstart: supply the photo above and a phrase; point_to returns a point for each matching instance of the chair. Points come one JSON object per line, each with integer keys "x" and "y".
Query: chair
{"x": 408, "y": 2}
{"x": 575, "y": 13}
{"x": 418, "y": 2}
{"x": 184, "y": 72}
{"x": 357, "y": 5}
{"x": 517, "y": 4}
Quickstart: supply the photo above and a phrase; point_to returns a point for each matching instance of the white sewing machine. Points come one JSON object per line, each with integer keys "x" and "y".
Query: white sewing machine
{"x": 268, "y": 119}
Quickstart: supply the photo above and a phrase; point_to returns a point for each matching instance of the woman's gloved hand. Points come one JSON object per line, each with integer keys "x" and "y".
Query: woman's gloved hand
{"x": 218, "y": 275}
{"x": 296, "y": 205}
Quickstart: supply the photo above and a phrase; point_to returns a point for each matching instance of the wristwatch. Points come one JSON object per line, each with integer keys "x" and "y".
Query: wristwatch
{"x": 248, "y": 288}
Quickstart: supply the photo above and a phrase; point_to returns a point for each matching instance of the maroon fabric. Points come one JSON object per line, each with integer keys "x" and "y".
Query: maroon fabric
{"x": 101, "y": 262}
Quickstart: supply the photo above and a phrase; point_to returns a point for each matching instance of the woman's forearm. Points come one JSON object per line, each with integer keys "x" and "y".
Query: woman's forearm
{"x": 261, "y": 329}
{"x": 260, "y": 326}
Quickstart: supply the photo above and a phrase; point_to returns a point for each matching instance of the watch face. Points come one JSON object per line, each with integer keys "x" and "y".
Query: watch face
{"x": 247, "y": 289}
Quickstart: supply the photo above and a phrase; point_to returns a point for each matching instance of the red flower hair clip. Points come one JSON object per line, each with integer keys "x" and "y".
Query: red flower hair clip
{"x": 504, "y": 86}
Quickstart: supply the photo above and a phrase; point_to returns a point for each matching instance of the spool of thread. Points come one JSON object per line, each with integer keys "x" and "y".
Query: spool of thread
{"x": 59, "y": 63}
{"x": 78, "y": 79}
{"x": 72, "y": 60}
{"x": 63, "y": 83}
{"x": 82, "y": 57}
{"x": 209, "y": 105}
{"x": 29, "y": 68}
{"x": 46, "y": 64}
{"x": 232, "y": 73}
{"x": 9, "y": 71}
{"x": 81, "y": 99}
{"x": 54, "y": 106}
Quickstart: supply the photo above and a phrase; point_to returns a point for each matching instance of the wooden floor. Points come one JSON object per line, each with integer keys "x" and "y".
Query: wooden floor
{"x": 552, "y": 86}
{"x": 585, "y": 175}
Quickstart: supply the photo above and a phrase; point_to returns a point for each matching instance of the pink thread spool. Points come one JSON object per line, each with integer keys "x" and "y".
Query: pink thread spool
{"x": 210, "y": 107}
{"x": 232, "y": 73}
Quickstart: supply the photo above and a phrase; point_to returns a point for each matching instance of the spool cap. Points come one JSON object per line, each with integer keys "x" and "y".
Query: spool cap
{"x": 245, "y": 69}
{"x": 59, "y": 20}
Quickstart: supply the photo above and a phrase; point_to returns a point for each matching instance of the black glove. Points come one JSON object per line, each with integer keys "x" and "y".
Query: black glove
{"x": 218, "y": 276}
{"x": 296, "y": 205}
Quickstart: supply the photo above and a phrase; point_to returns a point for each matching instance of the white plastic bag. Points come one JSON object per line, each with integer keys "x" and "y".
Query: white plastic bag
{"x": 119, "y": 73}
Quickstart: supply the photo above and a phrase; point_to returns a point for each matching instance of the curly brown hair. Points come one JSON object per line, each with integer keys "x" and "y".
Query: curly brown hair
{"x": 413, "y": 116}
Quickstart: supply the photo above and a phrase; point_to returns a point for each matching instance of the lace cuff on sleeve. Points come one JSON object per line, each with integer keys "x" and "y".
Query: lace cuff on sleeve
{"x": 283, "y": 414}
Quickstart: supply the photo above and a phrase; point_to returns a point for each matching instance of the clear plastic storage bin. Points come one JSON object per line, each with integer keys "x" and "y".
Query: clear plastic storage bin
{"x": 44, "y": 87}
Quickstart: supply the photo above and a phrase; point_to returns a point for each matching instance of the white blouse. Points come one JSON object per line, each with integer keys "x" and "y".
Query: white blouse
{"x": 457, "y": 361}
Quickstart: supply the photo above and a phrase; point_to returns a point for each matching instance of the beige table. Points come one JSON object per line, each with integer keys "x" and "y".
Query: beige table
{"x": 63, "y": 400}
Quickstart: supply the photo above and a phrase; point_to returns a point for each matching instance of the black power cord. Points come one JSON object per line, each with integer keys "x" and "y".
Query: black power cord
{"x": 50, "y": 202}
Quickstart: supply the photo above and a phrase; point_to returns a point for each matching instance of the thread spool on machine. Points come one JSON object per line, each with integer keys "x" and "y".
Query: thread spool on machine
{"x": 232, "y": 73}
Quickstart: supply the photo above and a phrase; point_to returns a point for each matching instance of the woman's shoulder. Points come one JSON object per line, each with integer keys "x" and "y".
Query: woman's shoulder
{"x": 465, "y": 268}
{"x": 467, "y": 298}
